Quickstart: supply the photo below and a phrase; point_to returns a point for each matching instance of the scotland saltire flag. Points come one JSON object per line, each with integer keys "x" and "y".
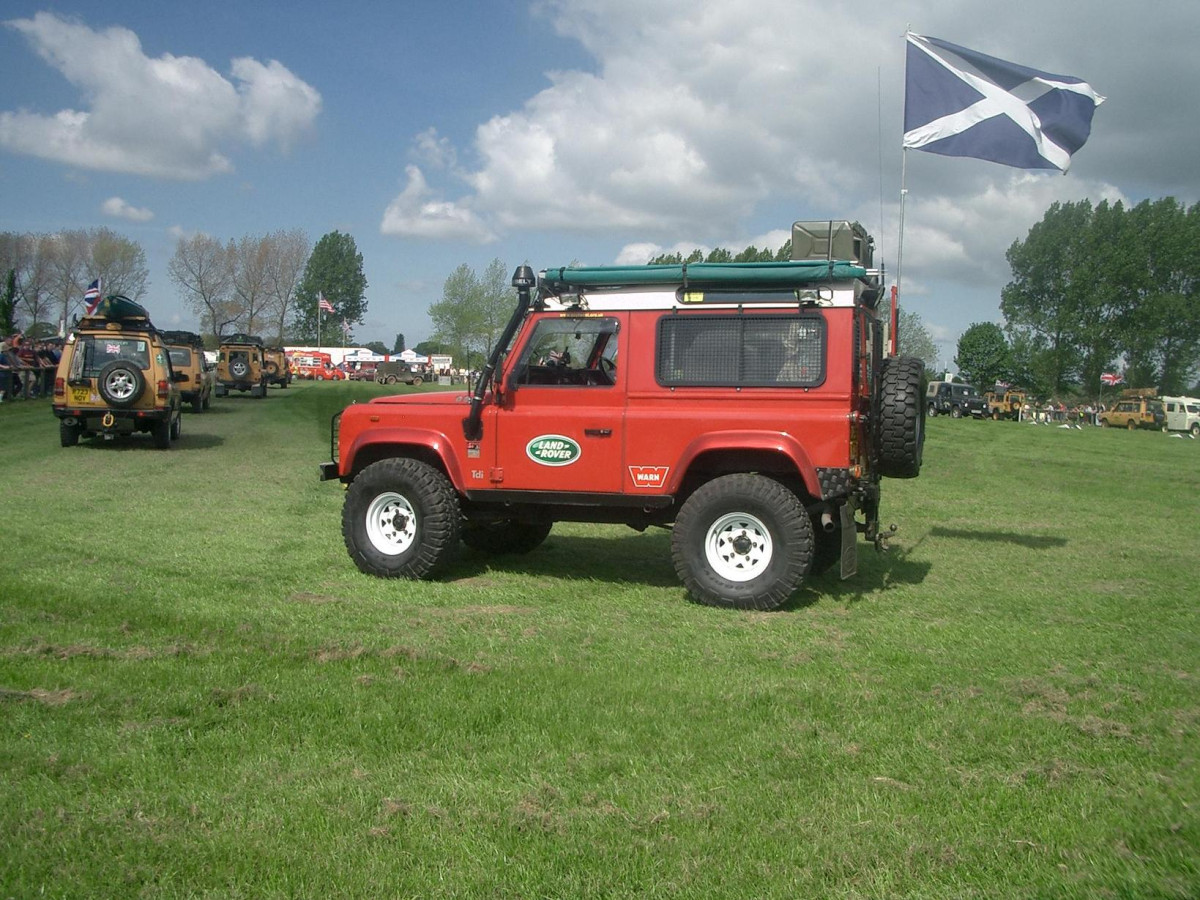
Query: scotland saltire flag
{"x": 91, "y": 297}
{"x": 958, "y": 102}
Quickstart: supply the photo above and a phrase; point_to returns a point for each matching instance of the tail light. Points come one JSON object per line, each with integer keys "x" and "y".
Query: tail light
{"x": 164, "y": 390}
{"x": 60, "y": 388}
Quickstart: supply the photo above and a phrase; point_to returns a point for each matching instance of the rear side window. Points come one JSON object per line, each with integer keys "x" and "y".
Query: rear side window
{"x": 181, "y": 357}
{"x": 99, "y": 351}
{"x": 741, "y": 351}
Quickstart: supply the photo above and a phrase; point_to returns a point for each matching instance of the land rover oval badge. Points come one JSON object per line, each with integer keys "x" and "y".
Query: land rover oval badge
{"x": 553, "y": 450}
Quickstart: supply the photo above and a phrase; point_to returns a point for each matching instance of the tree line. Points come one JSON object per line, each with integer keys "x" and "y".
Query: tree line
{"x": 265, "y": 284}
{"x": 46, "y": 275}
{"x": 271, "y": 284}
{"x": 1096, "y": 289}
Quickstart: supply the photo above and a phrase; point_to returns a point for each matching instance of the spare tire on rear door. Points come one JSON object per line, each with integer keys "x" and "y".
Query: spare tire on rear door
{"x": 121, "y": 383}
{"x": 901, "y": 425}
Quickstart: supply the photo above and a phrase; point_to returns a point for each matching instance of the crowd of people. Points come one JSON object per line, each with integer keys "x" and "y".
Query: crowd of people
{"x": 27, "y": 367}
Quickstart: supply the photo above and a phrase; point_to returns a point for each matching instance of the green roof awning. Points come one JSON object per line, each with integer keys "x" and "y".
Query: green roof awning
{"x": 765, "y": 274}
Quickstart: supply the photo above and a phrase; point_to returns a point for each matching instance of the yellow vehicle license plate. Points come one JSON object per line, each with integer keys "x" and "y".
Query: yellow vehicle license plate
{"x": 80, "y": 394}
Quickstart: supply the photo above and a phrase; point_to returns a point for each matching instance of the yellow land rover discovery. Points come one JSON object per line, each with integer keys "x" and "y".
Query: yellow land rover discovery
{"x": 115, "y": 378}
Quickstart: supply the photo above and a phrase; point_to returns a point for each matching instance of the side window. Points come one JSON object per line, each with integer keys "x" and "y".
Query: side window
{"x": 570, "y": 351}
{"x": 741, "y": 350}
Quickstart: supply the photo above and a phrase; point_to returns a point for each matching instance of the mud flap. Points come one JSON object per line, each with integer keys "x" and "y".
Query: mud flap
{"x": 849, "y": 540}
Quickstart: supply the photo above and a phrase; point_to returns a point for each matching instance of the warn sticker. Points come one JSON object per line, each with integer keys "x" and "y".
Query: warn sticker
{"x": 553, "y": 450}
{"x": 649, "y": 476}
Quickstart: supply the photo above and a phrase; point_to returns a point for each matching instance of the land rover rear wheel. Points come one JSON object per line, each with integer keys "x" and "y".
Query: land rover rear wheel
{"x": 121, "y": 383}
{"x": 901, "y": 428}
{"x": 68, "y": 435}
{"x": 742, "y": 542}
{"x": 401, "y": 519}
{"x": 509, "y": 536}
{"x": 161, "y": 431}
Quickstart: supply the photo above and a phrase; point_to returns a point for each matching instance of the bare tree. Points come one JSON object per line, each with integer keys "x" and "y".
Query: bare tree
{"x": 201, "y": 270}
{"x": 291, "y": 250}
{"x": 250, "y": 261}
{"x": 119, "y": 261}
{"x": 67, "y": 254}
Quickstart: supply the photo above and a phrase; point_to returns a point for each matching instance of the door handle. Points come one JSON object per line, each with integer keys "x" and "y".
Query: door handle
{"x": 598, "y": 432}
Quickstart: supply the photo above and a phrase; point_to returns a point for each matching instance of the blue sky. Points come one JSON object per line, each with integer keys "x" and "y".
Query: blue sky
{"x": 597, "y": 131}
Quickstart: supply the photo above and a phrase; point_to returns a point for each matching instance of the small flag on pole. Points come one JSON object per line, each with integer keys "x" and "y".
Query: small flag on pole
{"x": 91, "y": 297}
{"x": 1111, "y": 378}
{"x": 959, "y": 102}
{"x": 323, "y": 303}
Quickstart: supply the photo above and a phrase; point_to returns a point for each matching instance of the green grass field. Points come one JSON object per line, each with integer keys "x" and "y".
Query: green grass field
{"x": 201, "y": 696}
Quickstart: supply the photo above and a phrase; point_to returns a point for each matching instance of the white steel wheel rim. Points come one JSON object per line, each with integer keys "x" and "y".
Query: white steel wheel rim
{"x": 738, "y": 547}
{"x": 391, "y": 524}
{"x": 120, "y": 384}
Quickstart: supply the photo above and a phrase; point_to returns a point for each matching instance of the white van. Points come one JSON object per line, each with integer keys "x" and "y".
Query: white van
{"x": 1183, "y": 414}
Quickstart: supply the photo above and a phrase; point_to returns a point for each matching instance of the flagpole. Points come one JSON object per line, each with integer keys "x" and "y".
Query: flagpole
{"x": 319, "y": 295}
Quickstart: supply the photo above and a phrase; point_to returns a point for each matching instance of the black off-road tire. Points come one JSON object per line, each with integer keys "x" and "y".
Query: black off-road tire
{"x": 901, "y": 427}
{"x": 418, "y": 381}
{"x": 506, "y": 537}
{"x": 401, "y": 519}
{"x": 161, "y": 431}
{"x": 198, "y": 403}
{"x": 121, "y": 383}
{"x": 742, "y": 541}
{"x": 68, "y": 435}
{"x": 177, "y": 427}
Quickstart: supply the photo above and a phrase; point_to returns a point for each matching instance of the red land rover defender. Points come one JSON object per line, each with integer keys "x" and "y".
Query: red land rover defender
{"x": 749, "y": 406}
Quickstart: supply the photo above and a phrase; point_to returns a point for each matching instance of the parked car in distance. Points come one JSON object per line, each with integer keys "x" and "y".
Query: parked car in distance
{"x": 1005, "y": 404}
{"x": 955, "y": 399}
{"x": 186, "y": 349}
{"x": 397, "y": 370}
{"x": 1182, "y": 414}
{"x": 1137, "y": 408}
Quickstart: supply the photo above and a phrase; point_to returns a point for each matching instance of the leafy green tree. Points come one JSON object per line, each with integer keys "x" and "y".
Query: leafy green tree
{"x": 983, "y": 356}
{"x": 473, "y": 312}
{"x": 431, "y": 348}
{"x": 335, "y": 271}
{"x": 1048, "y": 292}
{"x": 398, "y": 345}
{"x": 8, "y": 304}
{"x": 377, "y": 347}
{"x": 1159, "y": 325}
{"x": 915, "y": 339}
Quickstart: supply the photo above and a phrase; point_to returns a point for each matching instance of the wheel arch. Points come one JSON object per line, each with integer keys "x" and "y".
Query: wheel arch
{"x": 778, "y": 456}
{"x": 432, "y": 449}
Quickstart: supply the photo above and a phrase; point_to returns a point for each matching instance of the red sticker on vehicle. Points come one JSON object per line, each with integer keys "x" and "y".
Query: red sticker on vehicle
{"x": 649, "y": 476}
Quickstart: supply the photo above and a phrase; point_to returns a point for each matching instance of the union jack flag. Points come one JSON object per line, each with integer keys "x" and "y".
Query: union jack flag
{"x": 91, "y": 297}
{"x": 1111, "y": 378}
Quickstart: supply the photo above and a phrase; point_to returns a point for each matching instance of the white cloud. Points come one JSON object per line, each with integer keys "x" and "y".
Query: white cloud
{"x": 416, "y": 213}
{"x": 169, "y": 117}
{"x": 119, "y": 209}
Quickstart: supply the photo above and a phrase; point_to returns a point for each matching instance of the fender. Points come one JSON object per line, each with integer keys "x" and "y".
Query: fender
{"x": 777, "y": 442}
{"x": 434, "y": 441}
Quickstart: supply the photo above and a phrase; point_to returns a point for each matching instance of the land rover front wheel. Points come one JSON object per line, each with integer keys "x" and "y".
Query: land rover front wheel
{"x": 742, "y": 542}
{"x": 901, "y": 427}
{"x": 401, "y": 519}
